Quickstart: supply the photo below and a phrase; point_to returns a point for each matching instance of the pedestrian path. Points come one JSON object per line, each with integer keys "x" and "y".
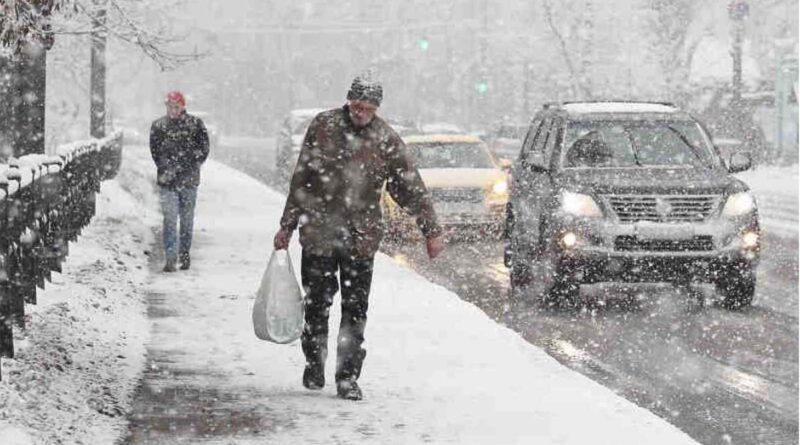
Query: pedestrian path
{"x": 438, "y": 370}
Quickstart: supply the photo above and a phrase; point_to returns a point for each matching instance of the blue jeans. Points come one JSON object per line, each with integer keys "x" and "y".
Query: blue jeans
{"x": 178, "y": 203}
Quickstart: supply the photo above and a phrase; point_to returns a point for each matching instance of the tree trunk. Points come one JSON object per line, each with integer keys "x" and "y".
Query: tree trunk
{"x": 97, "y": 107}
{"x": 6, "y": 96}
{"x": 29, "y": 99}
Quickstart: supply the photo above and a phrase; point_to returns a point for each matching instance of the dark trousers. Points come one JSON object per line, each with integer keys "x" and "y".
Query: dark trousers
{"x": 321, "y": 284}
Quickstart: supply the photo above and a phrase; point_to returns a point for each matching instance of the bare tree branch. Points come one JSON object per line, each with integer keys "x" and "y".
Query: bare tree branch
{"x": 22, "y": 20}
{"x": 565, "y": 53}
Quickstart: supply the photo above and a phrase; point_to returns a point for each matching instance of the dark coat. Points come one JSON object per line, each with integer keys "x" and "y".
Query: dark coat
{"x": 179, "y": 147}
{"x": 336, "y": 188}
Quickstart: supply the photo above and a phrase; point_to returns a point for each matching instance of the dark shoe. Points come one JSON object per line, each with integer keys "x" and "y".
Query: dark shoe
{"x": 348, "y": 390}
{"x": 314, "y": 377}
{"x": 170, "y": 266}
{"x": 186, "y": 262}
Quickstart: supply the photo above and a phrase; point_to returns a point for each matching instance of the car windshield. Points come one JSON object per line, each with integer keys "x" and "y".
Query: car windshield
{"x": 511, "y": 132}
{"x": 623, "y": 143}
{"x": 451, "y": 155}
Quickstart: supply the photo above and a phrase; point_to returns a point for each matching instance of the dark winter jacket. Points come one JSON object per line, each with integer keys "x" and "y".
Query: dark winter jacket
{"x": 179, "y": 147}
{"x": 336, "y": 187}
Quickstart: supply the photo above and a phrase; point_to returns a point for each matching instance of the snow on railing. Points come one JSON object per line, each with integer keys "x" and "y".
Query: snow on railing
{"x": 45, "y": 202}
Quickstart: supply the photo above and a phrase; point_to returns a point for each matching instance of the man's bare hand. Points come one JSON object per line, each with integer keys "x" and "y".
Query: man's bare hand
{"x": 435, "y": 246}
{"x": 282, "y": 238}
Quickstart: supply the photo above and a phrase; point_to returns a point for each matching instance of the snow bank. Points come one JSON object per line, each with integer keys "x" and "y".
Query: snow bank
{"x": 79, "y": 359}
{"x": 14, "y": 436}
{"x": 438, "y": 370}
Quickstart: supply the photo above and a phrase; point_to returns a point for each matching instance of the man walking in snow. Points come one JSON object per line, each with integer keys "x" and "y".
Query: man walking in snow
{"x": 347, "y": 156}
{"x": 179, "y": 146}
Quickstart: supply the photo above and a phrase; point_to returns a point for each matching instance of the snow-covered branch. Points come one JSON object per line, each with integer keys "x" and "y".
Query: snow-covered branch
{"x": 23, "y": 20}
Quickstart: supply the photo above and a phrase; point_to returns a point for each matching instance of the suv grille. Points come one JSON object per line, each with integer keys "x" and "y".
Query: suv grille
{"x": 633, "y": 244}
{"x": 456, "y": 194}
{"x": 664, "y": 208}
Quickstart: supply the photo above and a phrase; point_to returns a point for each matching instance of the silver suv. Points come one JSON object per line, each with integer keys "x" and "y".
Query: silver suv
{"x": 632, "y": 192}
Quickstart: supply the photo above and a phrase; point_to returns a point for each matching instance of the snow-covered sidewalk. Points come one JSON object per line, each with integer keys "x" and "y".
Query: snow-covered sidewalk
{"x": 438, "y": 370}
{"x": 82, "y": 352}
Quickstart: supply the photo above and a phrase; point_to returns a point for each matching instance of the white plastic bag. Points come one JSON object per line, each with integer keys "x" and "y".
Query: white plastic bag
{"x": 278, "y": 309}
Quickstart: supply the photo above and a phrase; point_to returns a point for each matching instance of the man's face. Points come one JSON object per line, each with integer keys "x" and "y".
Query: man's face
{"x": 175, "y": 109}
{"x": 361, "y": 113}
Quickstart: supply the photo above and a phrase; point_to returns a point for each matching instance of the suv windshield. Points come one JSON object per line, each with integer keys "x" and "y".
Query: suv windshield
{"x": 451, "y": 155}
{"x": 624, "y": 143}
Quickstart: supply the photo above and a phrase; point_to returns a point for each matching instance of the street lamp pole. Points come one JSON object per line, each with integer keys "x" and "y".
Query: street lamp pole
{"x": 738, "y": 10}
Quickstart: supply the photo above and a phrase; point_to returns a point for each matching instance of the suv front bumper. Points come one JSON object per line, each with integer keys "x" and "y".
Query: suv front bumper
{"x": 711, "y": 250}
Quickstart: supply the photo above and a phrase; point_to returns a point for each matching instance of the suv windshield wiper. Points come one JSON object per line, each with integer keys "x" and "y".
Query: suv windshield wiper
{"x": 634, "y": 148}
{"x": 685, "y": 140}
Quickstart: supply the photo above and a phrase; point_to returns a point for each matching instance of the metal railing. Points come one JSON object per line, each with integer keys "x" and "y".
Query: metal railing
{"x": 45, "y": 202}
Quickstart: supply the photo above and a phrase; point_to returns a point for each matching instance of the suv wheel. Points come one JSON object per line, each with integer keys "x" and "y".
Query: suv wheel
{"x": 526, "y": 287}
{"x": 563, "y": 293}
{"x": 737, "y": 285}
{"x": 520, "y": 273}
{"x": 538, "y": 281}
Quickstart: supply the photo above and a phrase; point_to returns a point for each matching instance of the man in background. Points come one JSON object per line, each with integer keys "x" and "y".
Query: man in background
{"x": 179, "y": 146}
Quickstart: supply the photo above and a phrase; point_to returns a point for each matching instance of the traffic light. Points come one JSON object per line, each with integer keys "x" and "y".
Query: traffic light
{"x": 482, "y": 87}
{"x": 423, "y": 43}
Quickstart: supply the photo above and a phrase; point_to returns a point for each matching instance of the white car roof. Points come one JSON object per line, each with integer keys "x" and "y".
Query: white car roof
{"x": 441, "y": 139}
{"x": 441, "y": 127}
{"x": 618, "y": 107}
{"x": 306, "y": 112}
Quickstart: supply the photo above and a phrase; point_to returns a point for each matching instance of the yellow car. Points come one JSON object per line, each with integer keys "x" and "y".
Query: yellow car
{"x": 467, "y": 185}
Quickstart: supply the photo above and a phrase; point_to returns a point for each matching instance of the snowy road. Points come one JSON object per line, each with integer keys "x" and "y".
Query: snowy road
{"x": 713, "y": 373}
{"x": 722, "y": 377}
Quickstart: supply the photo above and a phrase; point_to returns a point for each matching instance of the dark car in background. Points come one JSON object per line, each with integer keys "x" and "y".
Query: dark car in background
{"x": 505, "y": 140}
{"x": 403, "y": 127}
{"x": 135, "y": 130}
{"x": 630, "y": 192}
{"x": 290, "y": 139}
{"x": 735, "y": 128}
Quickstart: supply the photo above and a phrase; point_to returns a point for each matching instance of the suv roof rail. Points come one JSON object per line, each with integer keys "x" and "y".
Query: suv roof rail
{"x": 549, "y": 105}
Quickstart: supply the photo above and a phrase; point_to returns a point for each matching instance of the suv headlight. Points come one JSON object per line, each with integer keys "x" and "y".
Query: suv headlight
{"x": 500, "y": 188}
{"x": 579, "y": 204}
{"x": 739, "y": 204}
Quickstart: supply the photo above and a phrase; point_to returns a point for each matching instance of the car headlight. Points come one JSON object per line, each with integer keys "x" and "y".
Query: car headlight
{"x": 500, "y": 188}
{"x": 739, "y": 204}
{"x": 749, "y": 240}
{"x": 579, "y": 204}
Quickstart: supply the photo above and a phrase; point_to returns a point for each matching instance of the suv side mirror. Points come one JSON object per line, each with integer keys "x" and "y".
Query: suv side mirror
{"x": 739, "y": 162}
{"x": 537, "y": 162}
